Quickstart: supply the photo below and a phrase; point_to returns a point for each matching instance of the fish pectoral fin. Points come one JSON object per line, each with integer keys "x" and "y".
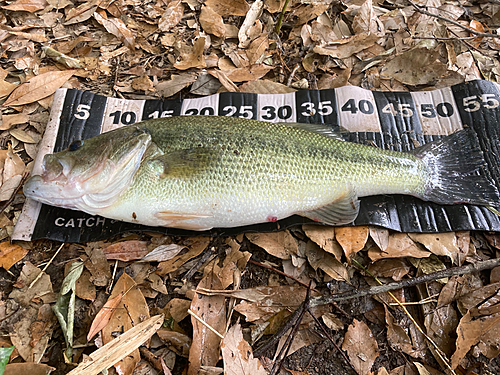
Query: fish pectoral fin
{"x": 178, "y": 220}
{"x": 182, "y": 163}
{"x": 342, "y": 211}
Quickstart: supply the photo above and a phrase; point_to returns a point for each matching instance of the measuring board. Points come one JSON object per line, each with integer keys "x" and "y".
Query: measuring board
{"x": 398, "y": 121}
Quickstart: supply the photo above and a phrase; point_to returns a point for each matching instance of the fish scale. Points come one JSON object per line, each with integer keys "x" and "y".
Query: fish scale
{"x": 199, "y": 172}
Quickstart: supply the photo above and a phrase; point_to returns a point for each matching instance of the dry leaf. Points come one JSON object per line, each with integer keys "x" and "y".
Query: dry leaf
{"x": 212, "y": 22}
{"x": 12, "y": 164}
{"x": 118, "y": 28}
{"x": 9, "y": 186}
{"x": 229, "y": 7}
{"x": 10, "y": 120}
{"x": 178, "y": 342}
{"x": 26, "y": 5}
{"x": 126, "y": 250}
{"x": 211, "y": 309}
{"x": 343, "y": 48}
{"x": 104, "y": 315}
{"x": 352, "y": 239}
{"x": 172, "y": 15}
{"x": 27, "y": 368}
{"x": 163, "y": 253}
{"x": 324, "y": 236}
{"x": 400, "y": 245}
{"x": 393, "y": 268}
{"x": 237, "y": 354}
{"x": 130, "y": 311}
{"x": 280, "y": 244}
{"x": 21, "y": 135}
{"x": 361, "y": 347}
{"x": 176, "y": 83}
{"x": 320, "y": 259}
{"x": 10, "y": 254}
{"x": 119, "y": 348}
{"x": 38, "y": 87}
{"x": 380, "y": 236}
{"x": 193, "y": 58}
{"x": 257, "y": 49}
{"x": 195, "y": 246}
{"x": 251, "y": 17}
{"x": 365, "y": 20}
{"x": 443, "y": 244}
{"x": 265, "y": 86}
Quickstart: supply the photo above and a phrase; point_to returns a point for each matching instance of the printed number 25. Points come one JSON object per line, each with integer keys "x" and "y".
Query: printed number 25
{"x": 324, "y": 108}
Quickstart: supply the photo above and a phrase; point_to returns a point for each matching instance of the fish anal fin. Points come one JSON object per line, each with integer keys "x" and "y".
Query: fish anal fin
{"x": 343, "y": 210}
{"x": 178, "y": 220}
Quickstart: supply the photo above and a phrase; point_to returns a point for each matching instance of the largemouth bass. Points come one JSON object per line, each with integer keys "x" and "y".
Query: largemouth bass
{"x": 200, "y": 172}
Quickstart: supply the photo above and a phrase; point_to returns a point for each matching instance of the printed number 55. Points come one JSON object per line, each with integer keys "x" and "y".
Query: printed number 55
{"x": 473, "y": 103}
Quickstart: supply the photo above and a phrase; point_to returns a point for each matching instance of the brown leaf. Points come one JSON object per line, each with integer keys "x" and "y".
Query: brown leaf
{"x": 12, "y": 164}
{"x": 10, "y": 254}
{"x": 178, "y": 342}
{"x": 258, "y": 47}
{"x": 104, "y": 315}
{"x": 84, "y": 288}
{"x": 320, "y": 259}
{"x": 396, "y": 336}
{"x": 400, "y": 245}
{"x": 212, "y": 22}
{"x": 365, "y": 20}
{"x": 380, "y": 236}
{"x": 352, "y": 239}
{"x": 265, "y": 86}
{"x": 21, "y": 135}
{"x": 280, "y": 244}
{"x": 393, "y": 268}
{"x": 443, "y": 244}
{"x": 343, "y": 48}
{"x": 38, "y": 87}
{"x": 229, "y": 7}
{"x": 483, "y": 332}
{"x": 195, "y": 246}
{"x": 118, "y": 28}
{"x": 194, "y": 58}
{"x": 27, "y": 368}
{"x": 211, "y": 309}
{"x": 99, "y": 268}
{"x": 172, "y": 15}
{"x": 142, "y": 83}
{"x": 324, "y": 236}
{"x": 176, "y": 83}
{"x": 359, "y": 336}
{"x": 237, "y": 354}
{"x": 26, "y": 5}
{"x": 130, "y": 311}
{"x": 10, "y": 120}
{"x": 235, "y": 259}
{"x": 9, "y": 187}
{"x": 126, "y": 250}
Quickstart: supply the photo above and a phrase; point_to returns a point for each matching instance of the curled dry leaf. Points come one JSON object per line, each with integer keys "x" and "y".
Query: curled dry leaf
{"x": 195, "y": 247}
{"x": 257, "y": 49}
{"x": 211, "y": 309}
{"x": 237, "y": 354}
{"x": 38, "y": 87}
{"x": 343, "y": 48}
{"x": 443, "y": 244}
{"x": 366, "y": 21}
{"x": 103, "y": 316}
{"x": 176, "y": 83}
{"x": 320, "y": 259}
{"x": 172, "y": 15}
{"x": 400, "y": 245}
{"x": 27, "y": 6}
{"x": 126, "y": 250}
{"x": 10, "y": 254}
{"x": 212, "y": 22}
{"x": 359, "y": 336}
{"x": 10, "y": 120}
{"x": 280, "y": 244}
{"x": 250, "y": 19}
{"x": 118, "y": 28}
{"x": 324, "y": 237}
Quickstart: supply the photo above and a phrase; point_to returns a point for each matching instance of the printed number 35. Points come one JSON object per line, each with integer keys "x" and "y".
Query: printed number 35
{"x": 324, "y": 108}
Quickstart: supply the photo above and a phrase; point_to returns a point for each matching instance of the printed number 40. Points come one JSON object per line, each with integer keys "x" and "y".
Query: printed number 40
{"x": 473, "y": 103}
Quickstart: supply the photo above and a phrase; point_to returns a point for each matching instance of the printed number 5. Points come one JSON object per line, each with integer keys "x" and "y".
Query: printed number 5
{"x": 472, "y": 103}
{"x": 324, "y": 108}
{"x": 82, "y": 111}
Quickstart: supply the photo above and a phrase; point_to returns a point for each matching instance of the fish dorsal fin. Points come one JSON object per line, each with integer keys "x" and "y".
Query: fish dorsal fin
{"x": 182, "y": 163}
{"x": 342, "y": 211}
{"x": 321, "y": 129}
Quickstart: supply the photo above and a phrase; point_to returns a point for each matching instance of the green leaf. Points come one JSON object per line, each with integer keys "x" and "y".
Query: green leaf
{"x": 64, "y": 308}
{"x": 4, "y": 357}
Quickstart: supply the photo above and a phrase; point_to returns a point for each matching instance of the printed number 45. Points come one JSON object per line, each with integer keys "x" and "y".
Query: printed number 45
{"x": 473, "y": 103}
{"x": 324, "y": 108}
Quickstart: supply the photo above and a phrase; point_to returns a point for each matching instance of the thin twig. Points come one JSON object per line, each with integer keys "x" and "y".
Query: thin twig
{"x": 13, "y": 195}
{"x": 45, "y": 268}
{"x": 479, "y": 266}
{"x": 191, "y": 312}
{"x": 472, "y": 31}
{"x": 327, "y": 334}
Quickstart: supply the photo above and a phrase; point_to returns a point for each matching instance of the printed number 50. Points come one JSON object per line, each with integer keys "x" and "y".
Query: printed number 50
{"x": 473, "y": 103}
{"x": 324, "y": 108}
{"x": 82, "y": 111}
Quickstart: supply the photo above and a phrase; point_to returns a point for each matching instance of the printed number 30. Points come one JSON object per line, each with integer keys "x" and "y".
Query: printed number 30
{"x": 82, "y": 111}
{"x": 473, "y": 103}
{"x": 324, "y": 108}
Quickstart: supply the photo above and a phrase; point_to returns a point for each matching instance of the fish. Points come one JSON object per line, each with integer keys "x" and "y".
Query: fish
{"x": 203, "y": 172}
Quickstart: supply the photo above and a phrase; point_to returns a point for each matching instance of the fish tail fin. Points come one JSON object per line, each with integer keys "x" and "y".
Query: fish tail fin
{"x": 454, "y": 164}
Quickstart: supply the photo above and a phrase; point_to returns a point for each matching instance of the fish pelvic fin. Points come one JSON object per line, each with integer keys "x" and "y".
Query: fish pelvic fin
{"x": 457, "y": 171}
{"x": 343, "y": 210}
{"x": 178, "y": 220}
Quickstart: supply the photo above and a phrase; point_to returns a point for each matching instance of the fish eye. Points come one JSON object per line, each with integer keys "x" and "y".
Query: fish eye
{"x": 75, "y": 145}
